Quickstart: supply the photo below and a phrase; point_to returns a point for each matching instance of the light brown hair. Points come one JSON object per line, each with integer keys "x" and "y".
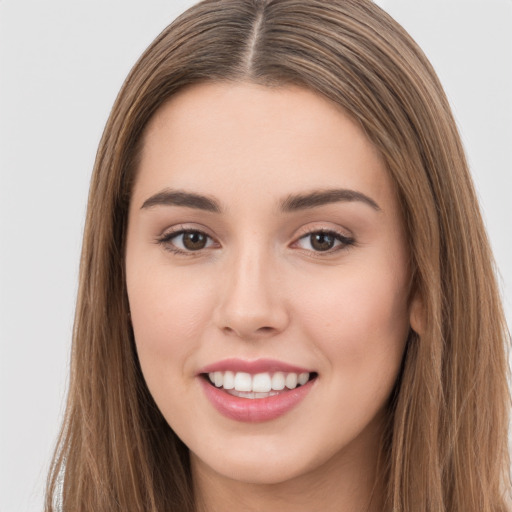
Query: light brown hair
{"x": 445, "y": 447}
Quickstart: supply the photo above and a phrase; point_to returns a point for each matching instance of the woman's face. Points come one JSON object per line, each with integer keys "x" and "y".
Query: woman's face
{"x": 265, "y": 247}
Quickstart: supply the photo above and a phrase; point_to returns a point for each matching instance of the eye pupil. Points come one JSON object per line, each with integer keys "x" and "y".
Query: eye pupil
{"x": 194, "y": 240}
{"x": 322, "y": 241}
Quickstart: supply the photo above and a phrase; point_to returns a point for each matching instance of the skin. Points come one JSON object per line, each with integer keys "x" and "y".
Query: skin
{"x": 260, "y": 289}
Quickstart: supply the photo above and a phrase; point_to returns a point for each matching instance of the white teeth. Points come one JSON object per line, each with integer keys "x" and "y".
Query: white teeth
{"x": 259, "y": 383}
{"x": 243, "y": 381}
{"x": 291, "y": 381}
{"x": 229, "y": 380}
{"x": 303, "y": 378}
{"x": 278, "y": 381}
{"x": 219, "y": 379}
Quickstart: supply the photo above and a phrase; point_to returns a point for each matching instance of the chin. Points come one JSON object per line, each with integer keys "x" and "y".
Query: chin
{"x": 257, "y": 471}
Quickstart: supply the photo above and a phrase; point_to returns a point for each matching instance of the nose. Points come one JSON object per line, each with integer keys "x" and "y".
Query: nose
{"x": 251, "y": 304}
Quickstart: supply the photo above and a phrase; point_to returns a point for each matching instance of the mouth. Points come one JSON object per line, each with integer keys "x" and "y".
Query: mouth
{"x": 256, "y": 391}
{"x": 259, "y": 385}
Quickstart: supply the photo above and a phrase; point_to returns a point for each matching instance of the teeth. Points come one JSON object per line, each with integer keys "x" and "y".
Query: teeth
{"x": 278, "y": 380}
{"x": 291, "y": 381}
{"x": 303, "y": 378}
{"x": 243, "y": 381}
{"x": 229, "y": 380}
{"x": 259, "y": 383}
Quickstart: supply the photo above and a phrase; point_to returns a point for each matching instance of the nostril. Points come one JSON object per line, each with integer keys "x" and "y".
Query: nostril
{"x": 265, "y": 329}
{"x": 246, "y": 333}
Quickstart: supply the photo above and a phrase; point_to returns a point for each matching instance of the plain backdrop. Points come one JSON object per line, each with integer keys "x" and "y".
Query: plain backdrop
{"x": 61, "y": 66}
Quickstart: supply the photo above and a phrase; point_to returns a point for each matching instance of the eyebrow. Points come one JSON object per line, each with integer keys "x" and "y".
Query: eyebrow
{"x": 169, "y": 197}
{"x": 294, "y": 202}
{"x": 322, "y": 197}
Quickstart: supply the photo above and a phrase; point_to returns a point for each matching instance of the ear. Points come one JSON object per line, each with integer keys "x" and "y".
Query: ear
{"x": 417, "y": 315}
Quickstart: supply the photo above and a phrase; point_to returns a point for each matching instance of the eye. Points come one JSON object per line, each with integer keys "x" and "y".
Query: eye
{"x": 186, "y": 240}
{"x": 324, "y": 241}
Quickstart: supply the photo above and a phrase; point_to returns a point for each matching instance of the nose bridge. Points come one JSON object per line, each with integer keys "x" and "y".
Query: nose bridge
{"x": 250, "y": 304}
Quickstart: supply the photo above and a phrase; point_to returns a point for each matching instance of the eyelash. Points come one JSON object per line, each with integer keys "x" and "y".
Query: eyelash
{"x": 344, "y": 241}
{"x": 166, "y": 241}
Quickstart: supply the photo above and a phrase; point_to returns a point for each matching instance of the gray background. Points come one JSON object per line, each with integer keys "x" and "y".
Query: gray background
{"x": 61, "y": 66}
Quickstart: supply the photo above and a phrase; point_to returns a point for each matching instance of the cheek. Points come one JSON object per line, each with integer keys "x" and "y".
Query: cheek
{"x": 359, "y": 322}
{"x": 168, "y": 314}
{"x": 359, "y": 327}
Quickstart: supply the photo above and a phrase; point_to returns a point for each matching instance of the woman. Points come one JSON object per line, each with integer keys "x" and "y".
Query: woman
{"x": 287, "y": 297}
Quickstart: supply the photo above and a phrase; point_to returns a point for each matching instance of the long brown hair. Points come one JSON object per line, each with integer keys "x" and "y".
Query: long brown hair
{"x": 446, "y": 444}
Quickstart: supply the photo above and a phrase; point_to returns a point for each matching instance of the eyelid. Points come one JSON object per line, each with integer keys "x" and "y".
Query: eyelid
{"x": 324, "y": 227}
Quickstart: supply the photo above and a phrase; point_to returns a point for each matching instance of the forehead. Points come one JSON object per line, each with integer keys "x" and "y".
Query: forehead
{"x": 243, "y": 139}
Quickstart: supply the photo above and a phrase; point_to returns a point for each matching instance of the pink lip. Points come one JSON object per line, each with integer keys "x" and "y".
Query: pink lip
{"x": 252, "y": 367}
{"x": 257, "y": 409}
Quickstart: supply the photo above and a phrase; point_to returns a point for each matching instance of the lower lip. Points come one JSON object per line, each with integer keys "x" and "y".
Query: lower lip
{"x": 255, "y": 409}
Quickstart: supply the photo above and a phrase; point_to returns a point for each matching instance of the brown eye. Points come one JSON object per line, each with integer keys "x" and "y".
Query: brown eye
{"x": 194, "y": 240}
{"x": 322, "y": 241}
{"x": 186, "y": 241}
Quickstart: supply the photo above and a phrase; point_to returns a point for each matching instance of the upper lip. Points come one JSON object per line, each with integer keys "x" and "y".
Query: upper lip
{"x": 252, "y": 366}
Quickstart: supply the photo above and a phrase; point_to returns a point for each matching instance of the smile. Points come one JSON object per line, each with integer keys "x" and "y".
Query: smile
{"x": 244, "y": 391}
{"x": 261, "y": 385}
